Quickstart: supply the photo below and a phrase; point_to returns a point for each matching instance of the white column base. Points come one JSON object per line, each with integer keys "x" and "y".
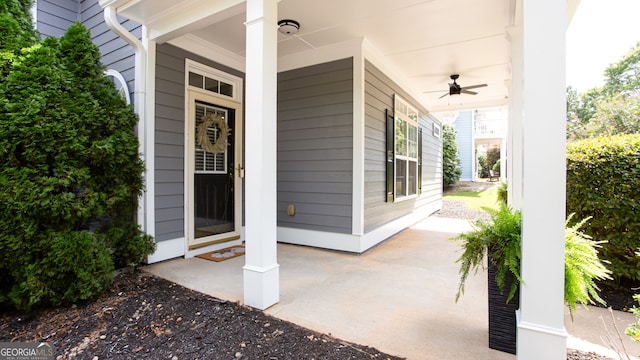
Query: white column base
{"x": 261, "y": 286}
{"x": 541, "y": 342}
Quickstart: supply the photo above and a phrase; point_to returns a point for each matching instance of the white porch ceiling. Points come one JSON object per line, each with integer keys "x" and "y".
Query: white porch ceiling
{"x": 424, "y": 41}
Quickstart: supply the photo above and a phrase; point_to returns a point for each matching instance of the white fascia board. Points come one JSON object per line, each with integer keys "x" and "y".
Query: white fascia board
{"x": 117, "y": 3}
{"x": 188, "y": 16}
{"x": 210, "y": 51}
{"x": 346, "y": 49}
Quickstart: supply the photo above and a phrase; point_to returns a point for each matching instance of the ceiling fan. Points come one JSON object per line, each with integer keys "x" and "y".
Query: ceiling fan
{"x": 455, "y": 89}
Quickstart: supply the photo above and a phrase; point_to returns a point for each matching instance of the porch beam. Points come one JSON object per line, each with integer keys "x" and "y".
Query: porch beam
{"x": 541, "y": 332}
{"x": 261, "y": 270}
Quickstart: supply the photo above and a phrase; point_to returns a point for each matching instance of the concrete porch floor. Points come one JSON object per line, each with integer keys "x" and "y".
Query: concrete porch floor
{"x": 398, "y": 297}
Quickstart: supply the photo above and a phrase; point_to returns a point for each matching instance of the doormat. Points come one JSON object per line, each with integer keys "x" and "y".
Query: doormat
{"x": 224, "y": 254}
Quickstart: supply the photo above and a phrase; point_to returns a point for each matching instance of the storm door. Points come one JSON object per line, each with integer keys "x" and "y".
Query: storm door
{"x": 214, "y": 181}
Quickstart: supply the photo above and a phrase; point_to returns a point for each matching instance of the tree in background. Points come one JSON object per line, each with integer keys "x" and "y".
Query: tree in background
{"x": 451, "y": 158}
{"x": 487, "y": 161}
{"x": 611, "y": 109}
{"x": 70, "y": 172}
{"x": 493, "y": 156}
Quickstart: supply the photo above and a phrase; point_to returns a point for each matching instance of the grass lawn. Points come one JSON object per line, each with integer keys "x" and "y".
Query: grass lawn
{"x": 475, "y": 200}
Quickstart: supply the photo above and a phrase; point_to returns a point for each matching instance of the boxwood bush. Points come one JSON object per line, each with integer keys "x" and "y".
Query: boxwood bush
{"x": 70, "y": 174}
{"x": 602, "y": 182}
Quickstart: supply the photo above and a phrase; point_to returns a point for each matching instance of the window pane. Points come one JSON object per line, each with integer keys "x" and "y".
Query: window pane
{"x": 195, "y": 80}
{"x": 199, "y": 159}
{"x": 413, "y": 178}
{"x": 226, "y": 89}
{"x": 211, "y": 84}
{"x": 413, "y": 115}
{"x": 401, "y": 137}
{"x": 412, "y": 141}
{"x": 401, "y": 178}
{"x": 401, "y": 107}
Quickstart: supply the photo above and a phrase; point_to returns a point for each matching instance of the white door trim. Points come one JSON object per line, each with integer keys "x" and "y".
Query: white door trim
{"x": 192, "y": 94}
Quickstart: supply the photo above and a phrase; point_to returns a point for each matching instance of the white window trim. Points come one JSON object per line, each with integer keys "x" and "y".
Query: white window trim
{"x": 121, "y": 82}
{"x": 397, "y": 100}
{"x": 215, "y": 74}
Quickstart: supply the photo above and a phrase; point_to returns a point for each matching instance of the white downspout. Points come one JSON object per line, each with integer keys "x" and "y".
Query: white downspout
{"x": 139, "y": 103}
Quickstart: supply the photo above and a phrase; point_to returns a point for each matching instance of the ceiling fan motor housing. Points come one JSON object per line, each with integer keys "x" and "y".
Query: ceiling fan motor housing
{"x": 454, "y": 88}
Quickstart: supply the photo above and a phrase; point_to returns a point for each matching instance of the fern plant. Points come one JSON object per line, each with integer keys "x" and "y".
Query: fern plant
{"x": 499, "y": 240}
{"x": 503, "y": 191}
{"x": 501, "y": 236}
{"x": 634, "y": 329}
{"x": 581, "y": 267}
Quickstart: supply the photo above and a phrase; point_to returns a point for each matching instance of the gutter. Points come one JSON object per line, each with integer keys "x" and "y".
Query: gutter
{"x": 140, "y": 104}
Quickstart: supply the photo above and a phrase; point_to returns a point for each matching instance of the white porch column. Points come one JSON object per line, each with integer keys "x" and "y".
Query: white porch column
{"x": 514, "y": 147}
{"x": 261, "y": 270}
{"x": 541, "y": 332}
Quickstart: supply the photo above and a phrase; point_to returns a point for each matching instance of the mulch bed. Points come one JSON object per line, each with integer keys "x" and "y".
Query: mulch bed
{"x": 143, "y": 316}
{"x": 619, "y": 296}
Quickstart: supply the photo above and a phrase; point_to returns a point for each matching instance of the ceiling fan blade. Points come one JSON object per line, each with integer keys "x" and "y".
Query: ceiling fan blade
{"x": 473, "y": 86}
{"x": 445, "y": 94}
{"x": 432, "y": 91}
{"x": 468, "y": 92}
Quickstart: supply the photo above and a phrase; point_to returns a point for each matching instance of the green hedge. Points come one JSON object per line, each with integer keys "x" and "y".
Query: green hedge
{"x": 603, "y": 181}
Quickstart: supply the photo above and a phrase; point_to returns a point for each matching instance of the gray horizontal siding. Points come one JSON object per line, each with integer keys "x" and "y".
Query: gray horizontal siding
{"x": 169, "y": 138}
{"x": 169, "y": 144}
{"x": 55, "y": 16}
{"x": 315, "y": 147}
{"x": 115, "y": 53}
{"x": 379, "y": 91}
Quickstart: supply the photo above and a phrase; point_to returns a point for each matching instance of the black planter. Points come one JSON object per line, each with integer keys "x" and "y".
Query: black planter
{"x": 502, "y": 315}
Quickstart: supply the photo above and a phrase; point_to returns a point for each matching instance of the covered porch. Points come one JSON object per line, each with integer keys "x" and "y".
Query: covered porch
{"x": 515, "y": 47}
{"x": 399, "y": 304}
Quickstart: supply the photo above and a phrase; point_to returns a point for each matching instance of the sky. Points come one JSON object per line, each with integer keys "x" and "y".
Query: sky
{"x": 601, "y": 32}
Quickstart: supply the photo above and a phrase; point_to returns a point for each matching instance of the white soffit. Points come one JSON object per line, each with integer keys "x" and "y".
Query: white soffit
{"x": 425, "y": 41}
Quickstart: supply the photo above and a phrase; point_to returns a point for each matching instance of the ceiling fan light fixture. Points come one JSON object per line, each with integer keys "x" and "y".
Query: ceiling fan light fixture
{"x": 288, "y": 26}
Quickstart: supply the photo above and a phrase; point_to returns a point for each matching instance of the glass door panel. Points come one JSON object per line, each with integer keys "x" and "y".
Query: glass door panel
{"x": 213, "y": 176}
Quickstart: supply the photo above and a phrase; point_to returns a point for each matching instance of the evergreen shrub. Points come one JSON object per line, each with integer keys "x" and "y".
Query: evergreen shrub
{"x": 70, "y": 174}
{"x": 602, "y": 183}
